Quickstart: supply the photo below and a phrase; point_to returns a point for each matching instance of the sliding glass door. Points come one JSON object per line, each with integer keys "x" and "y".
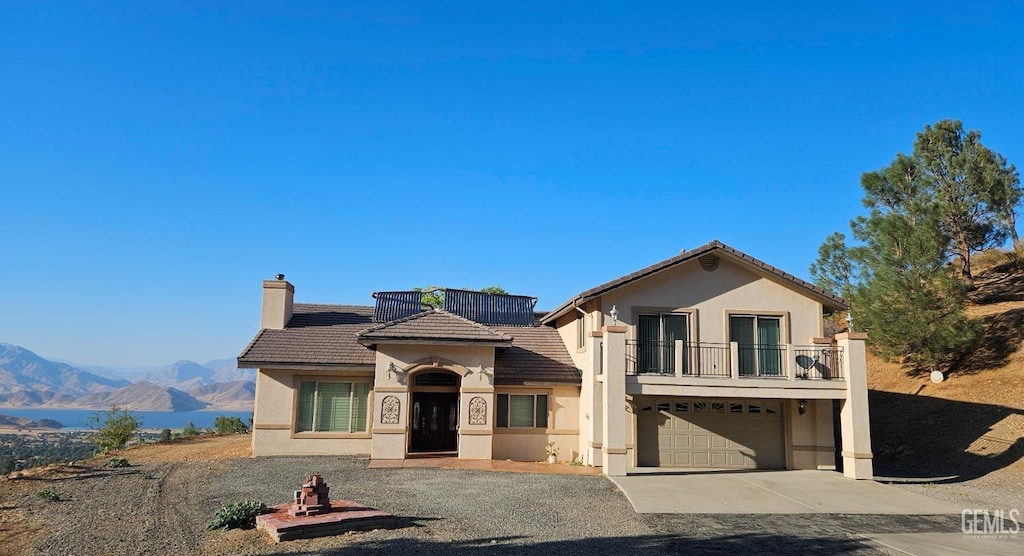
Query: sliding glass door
{"x": 759, "y": 340}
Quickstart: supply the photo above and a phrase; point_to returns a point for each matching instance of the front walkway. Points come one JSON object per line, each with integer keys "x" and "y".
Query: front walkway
{"x": 484, "y": 465}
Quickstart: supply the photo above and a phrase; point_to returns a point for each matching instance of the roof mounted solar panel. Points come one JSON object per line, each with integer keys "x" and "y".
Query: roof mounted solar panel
{"x": 490, "y": 308}
{"x": 396, "y": 305}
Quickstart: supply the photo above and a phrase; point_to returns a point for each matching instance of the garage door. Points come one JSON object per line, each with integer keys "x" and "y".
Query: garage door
{"x": 714, "y": 433}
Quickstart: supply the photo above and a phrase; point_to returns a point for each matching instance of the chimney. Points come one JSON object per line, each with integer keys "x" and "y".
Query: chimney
{"x": 277, "y": 303}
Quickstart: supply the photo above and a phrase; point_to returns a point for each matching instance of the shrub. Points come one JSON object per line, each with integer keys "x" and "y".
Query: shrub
{"x": 239, "y": 515}
{"x": 229, "y": 425}
{"x": 115, "y": 463}
{"x": 113, "y": 428}
{"x": 190, "y": 429}
{"x": 48, "y": 495}
{"x": 165, "y": 435}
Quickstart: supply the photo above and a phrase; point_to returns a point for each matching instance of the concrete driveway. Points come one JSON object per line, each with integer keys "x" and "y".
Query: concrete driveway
{"x": 816, "y": 492}
{"x": 771, "y": 492}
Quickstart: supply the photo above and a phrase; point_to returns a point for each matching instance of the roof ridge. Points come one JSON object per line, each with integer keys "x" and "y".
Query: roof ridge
{"x": 433, "y": 311}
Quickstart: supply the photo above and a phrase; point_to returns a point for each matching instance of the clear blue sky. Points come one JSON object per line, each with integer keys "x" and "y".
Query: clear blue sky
{"x": 158, "y": 161}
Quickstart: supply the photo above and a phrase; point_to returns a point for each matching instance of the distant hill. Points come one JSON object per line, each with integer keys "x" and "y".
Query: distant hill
{"x": 28, "y": 380}
{"x": 186, "y": 375}
{"x": 142, "y": 396}
{"x": 238, "y": 395}
{"x": 8, "y": 422}
{"x": 22, "y": 370}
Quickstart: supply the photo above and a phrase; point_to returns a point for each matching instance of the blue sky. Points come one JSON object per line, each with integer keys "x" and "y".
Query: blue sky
{"x": 158, "y": 161}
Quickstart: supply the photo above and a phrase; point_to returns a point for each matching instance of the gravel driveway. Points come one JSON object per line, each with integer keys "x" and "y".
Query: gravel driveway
{"x": 162, "y": 508}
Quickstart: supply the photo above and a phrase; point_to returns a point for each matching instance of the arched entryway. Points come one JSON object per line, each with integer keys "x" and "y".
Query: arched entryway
{"x": 434, "y": 412}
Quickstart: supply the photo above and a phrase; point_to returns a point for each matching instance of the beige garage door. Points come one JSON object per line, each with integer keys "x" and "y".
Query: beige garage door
{"x": 713, "y": 433}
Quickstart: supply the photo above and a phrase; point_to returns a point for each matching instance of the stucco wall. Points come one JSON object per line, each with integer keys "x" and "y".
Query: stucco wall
{"x": 274, "y": 416}
{"x": 563, "y": 426}
{"x": 730, "y": 287}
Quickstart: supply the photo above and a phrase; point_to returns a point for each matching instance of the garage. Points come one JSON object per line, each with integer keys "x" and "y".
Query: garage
{"x": 710, "y": 433}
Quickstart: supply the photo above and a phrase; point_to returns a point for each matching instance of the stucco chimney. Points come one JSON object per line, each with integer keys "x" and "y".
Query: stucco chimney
{"x": 278, "y": 295}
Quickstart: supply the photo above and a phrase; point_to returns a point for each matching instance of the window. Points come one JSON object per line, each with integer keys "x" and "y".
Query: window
{"x": 332, "y": 407}
{"x": 759, "y": 339}
{"x": 655, "y": 338}
{"x": 523, "y": 411}
{"x": 581, "y": 331}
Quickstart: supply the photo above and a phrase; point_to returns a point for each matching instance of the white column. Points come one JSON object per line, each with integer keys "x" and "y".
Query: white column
{"x": 853, "y": 413}
{"x": 614, "y": 401}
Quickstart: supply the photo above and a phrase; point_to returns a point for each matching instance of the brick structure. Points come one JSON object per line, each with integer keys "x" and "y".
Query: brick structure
{"x": 312, "y": 499}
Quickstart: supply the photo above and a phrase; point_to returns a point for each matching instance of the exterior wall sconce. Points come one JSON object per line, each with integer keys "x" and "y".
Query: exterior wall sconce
{"x": 849, "y": 321}
{"x": 802, "y": 407}
{"x": 393, "y": 370}
{"x": 614, "y": 314}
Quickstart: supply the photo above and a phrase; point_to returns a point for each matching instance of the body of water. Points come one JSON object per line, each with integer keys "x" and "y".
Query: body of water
{"x": 77, "y": 418}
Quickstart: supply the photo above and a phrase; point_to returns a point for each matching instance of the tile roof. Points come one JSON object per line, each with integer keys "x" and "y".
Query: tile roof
{"x": 329, "y": 335}
{"x": 433, "y": 325}
{"x": 829, "y": 299}
{"x": 315, "y": 335}
{"x": 537, "y": 354}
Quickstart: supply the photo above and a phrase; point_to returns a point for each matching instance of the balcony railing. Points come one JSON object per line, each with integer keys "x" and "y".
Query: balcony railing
{"x": 818, "y": 363}
{"x": 702, "y": 359}
{"x": 663, "y": 358}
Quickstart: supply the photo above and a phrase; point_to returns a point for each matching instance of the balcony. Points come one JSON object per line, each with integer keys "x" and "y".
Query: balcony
{"x": 733, "y": 361}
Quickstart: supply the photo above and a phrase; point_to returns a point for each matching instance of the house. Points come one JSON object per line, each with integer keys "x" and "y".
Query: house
{"x": 708, "y": 359}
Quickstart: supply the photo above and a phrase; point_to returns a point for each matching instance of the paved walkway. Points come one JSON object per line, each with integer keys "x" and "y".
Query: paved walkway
{"x": 484, "y": 465}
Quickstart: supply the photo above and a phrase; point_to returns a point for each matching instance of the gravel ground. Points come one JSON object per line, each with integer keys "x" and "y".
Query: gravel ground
{"x": 162, "y": 508}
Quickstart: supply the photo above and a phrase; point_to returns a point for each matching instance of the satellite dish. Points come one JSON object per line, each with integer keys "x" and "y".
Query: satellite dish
{"x": 938, "y": 377}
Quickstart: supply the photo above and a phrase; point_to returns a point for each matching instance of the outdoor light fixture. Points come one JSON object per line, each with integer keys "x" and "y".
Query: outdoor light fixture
{"x": 849, "y": 321}
{"x": 392, "y": 370}
{"x": 802, "y": 408}
{"x": 615, "y": 315}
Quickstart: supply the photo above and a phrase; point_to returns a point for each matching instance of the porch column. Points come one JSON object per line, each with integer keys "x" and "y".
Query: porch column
{"x": 591, "y": 401}
{"x": 853, "y": 413}
{"x": 614, "y": 400}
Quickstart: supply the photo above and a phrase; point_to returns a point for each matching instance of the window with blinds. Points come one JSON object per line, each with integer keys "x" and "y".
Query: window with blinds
{"x": 332, "y": 407}
{"x": 522, "y": 411}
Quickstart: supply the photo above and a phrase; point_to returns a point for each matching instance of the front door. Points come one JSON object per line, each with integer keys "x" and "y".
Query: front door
{"x": 434, "y": 422}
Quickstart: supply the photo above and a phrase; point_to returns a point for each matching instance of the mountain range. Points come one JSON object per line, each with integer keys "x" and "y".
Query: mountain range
{"x": 28, "y": 380}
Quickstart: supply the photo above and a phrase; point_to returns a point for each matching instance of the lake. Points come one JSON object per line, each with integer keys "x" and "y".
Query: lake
{"x": 76, "y": 418}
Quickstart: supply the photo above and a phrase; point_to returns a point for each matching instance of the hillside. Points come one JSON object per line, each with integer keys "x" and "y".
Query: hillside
{"x": 141, "y": 395}
{"x": 971, "y": 426}
{"x": 9, "y": 422}
{"x": 23, "y": 370}
{"x": 234, "y": 396}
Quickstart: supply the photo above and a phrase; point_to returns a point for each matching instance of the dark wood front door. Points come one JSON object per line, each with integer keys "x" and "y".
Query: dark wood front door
{"x": 434, "y": 422}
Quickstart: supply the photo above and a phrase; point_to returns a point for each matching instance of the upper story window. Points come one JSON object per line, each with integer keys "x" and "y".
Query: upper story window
{"x": 581, "y": 331}
{"x": 656, "y": 335}
{"x": 759, "y": 339}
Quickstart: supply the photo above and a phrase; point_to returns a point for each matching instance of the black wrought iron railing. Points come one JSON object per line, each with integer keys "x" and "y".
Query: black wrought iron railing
{"x": 666, "y": 358}
{"x": 818, "y": 362}
{"x": 757, "y": 361}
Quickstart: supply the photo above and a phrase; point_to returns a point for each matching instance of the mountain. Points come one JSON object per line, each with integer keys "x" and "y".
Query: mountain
{"x": 226, "y": 370}
{"x": 142, "y": 396}
{"x": 22, "y": 370}
{"x": 8, "y": 422}
{"x": 238, "y": 395}
{"x": 186, "y": 375}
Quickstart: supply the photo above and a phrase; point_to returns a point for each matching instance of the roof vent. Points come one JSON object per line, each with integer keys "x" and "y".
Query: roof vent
{"x": 709, "y": 262}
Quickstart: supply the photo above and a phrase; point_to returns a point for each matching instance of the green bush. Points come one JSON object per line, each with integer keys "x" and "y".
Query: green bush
{"x": 229, "y": 425}
{"x": 239, "y": 515}
{"x": 113, "y": 428}
{"x": 165, "y": 435}
{"x": 190, "y": 429}
{"x": 48, "y": 495}
{"x": 114, "y": 463}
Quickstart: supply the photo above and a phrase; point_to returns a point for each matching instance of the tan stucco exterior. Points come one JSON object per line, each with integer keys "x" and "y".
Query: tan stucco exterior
{"x": 595, "y": 422}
